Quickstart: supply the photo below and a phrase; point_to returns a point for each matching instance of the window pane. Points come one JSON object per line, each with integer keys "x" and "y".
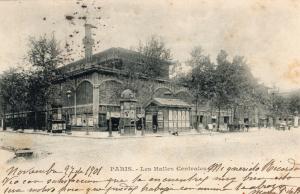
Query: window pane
{"x": 166, "y": 115}
{"x": 179, "y": 115}
{"x": 175, "y": 124}
{"x": 170, "y": 115}
{"x": 183, "y": 115}
{"x": 174, "y": 115}
{"x": 79, "y": 121}
{"x": 179, "y": 124}
{"x": 90, "y": 121}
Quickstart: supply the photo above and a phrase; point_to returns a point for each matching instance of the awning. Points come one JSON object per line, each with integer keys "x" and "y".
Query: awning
{"x": 169, "y": 102}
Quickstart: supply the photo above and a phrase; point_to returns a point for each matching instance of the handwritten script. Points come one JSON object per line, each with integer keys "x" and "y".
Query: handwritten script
{"x": 269, "y": 177}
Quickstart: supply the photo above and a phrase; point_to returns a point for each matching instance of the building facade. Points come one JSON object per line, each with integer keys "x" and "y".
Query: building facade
{"x": 91, "y": 93}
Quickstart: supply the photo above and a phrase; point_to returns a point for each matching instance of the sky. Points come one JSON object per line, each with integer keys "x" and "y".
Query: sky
{"x": 266, "y": 32}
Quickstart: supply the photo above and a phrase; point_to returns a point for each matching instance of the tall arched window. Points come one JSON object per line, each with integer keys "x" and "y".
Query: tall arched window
{"x": 84, "y": 93}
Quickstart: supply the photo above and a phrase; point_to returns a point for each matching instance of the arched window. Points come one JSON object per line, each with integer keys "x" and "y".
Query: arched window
{"x": 162, "y": 91}
{"x": 84, "y": 93}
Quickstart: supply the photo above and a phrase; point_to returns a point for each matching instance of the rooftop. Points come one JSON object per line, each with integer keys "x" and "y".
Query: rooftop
{"x": 114, "y": 53}
{"x": 170, "y": 102}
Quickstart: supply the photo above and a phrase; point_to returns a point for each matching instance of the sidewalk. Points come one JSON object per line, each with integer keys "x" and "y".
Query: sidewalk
{"x": 116, "y": 135}
{"x": 105, "y": 135}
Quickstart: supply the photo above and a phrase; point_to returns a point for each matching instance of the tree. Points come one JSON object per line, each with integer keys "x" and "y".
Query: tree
{"x": 234, "y": 83}
{"x": 245, "y": 85}
{"x": 294, "y": 103}
{"x": 13, "y": 86}
{"x": 153, "y": 62}
{"x": 200, "y": 80}
{"x": 156, "y": 54}
{"x": 225, "y": 85}
{"x": 279, "y": 106}
{"x": 44, "y": 55}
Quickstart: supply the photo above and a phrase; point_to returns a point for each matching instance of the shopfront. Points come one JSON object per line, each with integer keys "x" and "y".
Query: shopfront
{"x": 166, "y": 114}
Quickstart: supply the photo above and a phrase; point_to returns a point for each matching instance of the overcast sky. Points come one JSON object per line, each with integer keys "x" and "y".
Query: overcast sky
{"x": 266, "y": 32}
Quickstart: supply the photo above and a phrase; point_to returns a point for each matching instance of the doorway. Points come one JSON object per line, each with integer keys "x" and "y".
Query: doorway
{"x": 115, "y": 124}
{"x": 226, "y": 119}
{"x": 154, "y": 123}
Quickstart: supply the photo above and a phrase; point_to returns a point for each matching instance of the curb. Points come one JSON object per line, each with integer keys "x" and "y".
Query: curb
{"x": 113, "y": 138}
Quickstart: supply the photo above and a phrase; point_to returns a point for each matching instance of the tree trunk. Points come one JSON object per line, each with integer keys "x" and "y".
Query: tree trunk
{"x": 143, "y": 128}
{"x": 110, "y": 126}
{"x": 197, "y": 118}
{"x": 4, "y": 119}
{"x": 13, "y": 119}
{"x": 46, "y": 116}
{"x": 234, "y": 114}
{"x": 274, "y": 121}
{"x": 35, "y": 120}
{"x": 219, "y": 116}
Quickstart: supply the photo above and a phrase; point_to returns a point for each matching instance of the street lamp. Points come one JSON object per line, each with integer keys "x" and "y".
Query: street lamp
{"x": 110, "y": 125}
{"x": 68, "y": 125}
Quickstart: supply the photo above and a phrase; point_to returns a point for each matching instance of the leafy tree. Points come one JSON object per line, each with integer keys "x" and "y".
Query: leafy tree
{"x": 155, "y": 47}
{"x": 200, "y": 80}
{"x": 227, "y": 84}
{"x": 279, "y": 105}
{"x": 234, "y": 83}
{"x": 245, "y": 85}
{"x": 13, "y": 86}
{"x": 156, "y": 54}
{"x": 44, "y": 55}
{"x": 294, "y": 103}
{"x": 151, "y": 65}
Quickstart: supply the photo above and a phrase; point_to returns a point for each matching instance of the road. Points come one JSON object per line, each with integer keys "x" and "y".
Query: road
{"x": 201, "y": 150}
{"x": 264, "y": 144}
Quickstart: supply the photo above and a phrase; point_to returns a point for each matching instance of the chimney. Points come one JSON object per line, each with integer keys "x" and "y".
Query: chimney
{"x": 88, "y": 42}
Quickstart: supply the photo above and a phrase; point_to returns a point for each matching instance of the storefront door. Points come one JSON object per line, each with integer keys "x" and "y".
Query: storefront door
{"x": 154, "y": 123}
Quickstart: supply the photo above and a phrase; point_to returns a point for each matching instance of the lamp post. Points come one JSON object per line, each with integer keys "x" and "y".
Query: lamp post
{"x": 110, "y": 125}
{"x": 86, "y": 123}
{"x": 142, "y": 117}
{"x": 68, "y": 125}
{"x": 296, "y": 119}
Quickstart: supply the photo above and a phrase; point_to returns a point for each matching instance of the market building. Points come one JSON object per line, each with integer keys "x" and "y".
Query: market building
{"x": 90, "y": 92}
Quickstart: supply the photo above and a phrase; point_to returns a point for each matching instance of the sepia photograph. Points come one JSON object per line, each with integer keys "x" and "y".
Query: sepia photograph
{"x": 149, "y": 96}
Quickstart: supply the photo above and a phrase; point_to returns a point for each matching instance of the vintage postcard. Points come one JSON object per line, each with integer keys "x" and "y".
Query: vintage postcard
{"x": 149, "y": 96}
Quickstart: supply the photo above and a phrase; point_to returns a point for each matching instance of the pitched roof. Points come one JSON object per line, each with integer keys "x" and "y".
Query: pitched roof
{"x": 169, "y": 102}
{"x": 115, "y": 53}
